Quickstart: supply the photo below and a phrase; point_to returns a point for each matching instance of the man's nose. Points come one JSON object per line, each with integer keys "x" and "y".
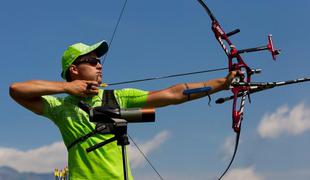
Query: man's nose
{"x": 99, "y": 66}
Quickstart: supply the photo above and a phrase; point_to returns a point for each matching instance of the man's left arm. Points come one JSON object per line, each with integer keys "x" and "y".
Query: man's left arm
{"x": 174, "y": 94}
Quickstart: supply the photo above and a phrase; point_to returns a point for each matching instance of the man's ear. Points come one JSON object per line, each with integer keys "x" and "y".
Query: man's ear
{"x": 73, "y": 70}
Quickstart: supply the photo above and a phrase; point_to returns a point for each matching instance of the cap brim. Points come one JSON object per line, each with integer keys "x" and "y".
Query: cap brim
{"x": 101, "y": 48}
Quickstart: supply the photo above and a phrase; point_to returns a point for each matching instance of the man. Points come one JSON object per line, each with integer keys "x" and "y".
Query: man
{"x": 81, "y": 68}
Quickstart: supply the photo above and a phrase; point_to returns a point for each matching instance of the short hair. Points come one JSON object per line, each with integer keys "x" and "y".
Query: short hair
{"x": 68, "y": 76}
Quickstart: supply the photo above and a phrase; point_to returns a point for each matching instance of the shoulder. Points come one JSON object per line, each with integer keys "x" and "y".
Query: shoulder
{"x": 52, "y": 99}
{"x": 130, "y": 97}
{"x": 54, "y": 103}
{"x": 130, "y": 92}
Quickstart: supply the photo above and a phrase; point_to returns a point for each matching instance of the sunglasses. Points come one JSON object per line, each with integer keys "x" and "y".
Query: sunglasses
{"x": 91, "y": 61}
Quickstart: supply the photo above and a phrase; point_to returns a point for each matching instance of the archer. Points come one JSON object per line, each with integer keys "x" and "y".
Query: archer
{"x": 82, "y": 70}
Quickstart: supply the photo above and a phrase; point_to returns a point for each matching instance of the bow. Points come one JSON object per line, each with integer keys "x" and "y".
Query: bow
{"x": 244, "y": 72}
{"x": 240, "y": 85}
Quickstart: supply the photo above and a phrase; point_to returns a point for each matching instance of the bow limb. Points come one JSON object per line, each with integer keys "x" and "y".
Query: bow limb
{"x": 233, "y": 157}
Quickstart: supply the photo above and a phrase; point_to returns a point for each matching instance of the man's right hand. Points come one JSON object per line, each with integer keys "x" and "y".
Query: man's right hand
{"x": 82, "y": 88}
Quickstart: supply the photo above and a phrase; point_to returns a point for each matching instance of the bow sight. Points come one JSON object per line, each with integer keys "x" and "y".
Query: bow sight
{"x": 269, "y": 47}
{"x": 109, "y": 115}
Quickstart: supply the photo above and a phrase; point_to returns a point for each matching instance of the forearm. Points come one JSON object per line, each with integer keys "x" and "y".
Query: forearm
{"x": 29, "y": 93}
{"x": 174, "y": 94}
{"x": 36, "y": 88}
{"x": 215, "y": 85}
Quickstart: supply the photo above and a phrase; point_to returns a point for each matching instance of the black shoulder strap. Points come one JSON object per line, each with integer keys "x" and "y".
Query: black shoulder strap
{"x": 108, "y": 100}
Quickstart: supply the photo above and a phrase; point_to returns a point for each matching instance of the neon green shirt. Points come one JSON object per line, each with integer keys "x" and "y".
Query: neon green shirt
{"x": 103, "y": 163}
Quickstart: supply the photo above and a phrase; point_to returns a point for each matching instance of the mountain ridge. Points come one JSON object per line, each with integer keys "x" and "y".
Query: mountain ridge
{"x": 9, "y": 173}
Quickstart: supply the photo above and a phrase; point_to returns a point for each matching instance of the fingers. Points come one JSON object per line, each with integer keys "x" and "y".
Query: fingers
{"x": 91, "y": 88}
{"x": 233, "y": 74}
{"x": 91, "y": 84}
{"x": 83, "y": 88}
{"x": 230, "y": 77}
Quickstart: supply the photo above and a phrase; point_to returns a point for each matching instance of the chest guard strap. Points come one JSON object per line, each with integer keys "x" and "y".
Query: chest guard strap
{"x": 108, "y": 100}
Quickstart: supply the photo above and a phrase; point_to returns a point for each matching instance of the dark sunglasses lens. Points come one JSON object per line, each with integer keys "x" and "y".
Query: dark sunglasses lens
{"x": 94, "y": 61}
{"x": 91, "y": 61}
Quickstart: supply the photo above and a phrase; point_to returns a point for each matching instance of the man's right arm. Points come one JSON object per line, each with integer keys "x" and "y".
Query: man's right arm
{"x": 29, "y": 93}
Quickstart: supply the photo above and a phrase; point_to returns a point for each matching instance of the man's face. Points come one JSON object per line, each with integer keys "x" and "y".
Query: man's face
{"x": 89, "y": 68}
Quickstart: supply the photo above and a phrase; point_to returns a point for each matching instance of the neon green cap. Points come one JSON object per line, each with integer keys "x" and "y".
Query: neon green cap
{"x": 79, "y": 49}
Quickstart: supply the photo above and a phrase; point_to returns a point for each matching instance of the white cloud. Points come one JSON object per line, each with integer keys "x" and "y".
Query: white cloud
{"x": 47, "y": 158}
{"x": 42, "y": 159}
{"x": 136, "y": 158}
{"x": 293, "y": 121}
{"x": 290, "y": 174}
{"x": 248, "y": 173}
{"x": 228, "y": 147}
{"x": 243, "y": 174}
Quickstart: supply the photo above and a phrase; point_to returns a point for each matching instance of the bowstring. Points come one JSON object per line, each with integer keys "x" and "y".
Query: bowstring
{"x": 146, "y": 158}
{"x": 115, "y": 29}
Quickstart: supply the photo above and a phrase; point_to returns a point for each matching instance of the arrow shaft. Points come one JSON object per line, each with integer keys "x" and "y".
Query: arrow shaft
{"x": 166, "y": 77}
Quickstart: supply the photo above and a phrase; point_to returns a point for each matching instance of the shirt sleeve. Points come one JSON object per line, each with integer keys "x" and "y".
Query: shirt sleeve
{"x": 131, "y": 98}
{"x": 51, "y": 105}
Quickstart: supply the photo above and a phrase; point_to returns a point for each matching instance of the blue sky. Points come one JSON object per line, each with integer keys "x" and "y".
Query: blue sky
{"x": 188, "y": 141}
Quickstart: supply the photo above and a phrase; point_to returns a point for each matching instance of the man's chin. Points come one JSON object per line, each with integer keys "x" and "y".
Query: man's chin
{"x": 99, "y": 80}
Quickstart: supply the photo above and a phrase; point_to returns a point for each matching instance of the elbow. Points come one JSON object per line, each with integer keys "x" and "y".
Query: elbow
{"x": 13, "y": 90}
